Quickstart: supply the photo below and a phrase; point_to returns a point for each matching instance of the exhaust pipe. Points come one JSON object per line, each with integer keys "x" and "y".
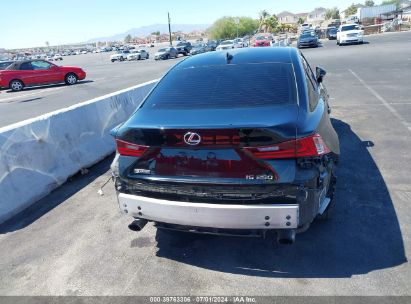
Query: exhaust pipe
{"x": 137, "y": 224}
{"x": 286, "y": 236}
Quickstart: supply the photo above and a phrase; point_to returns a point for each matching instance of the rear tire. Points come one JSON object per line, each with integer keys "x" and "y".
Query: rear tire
{"x": 121, "y": 59}
{"x": 16, "y": 85}
{"x": 71, "y": 79}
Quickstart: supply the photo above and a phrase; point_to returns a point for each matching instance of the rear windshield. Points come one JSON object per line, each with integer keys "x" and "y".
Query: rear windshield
{"x": 222, "y": 86}
{"x": 350, "y": 28}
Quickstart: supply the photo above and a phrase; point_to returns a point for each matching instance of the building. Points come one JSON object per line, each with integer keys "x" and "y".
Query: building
{"x": 406, "y": 14}
{"x": 286, "y": 17}
{"x": 317, "y": 16}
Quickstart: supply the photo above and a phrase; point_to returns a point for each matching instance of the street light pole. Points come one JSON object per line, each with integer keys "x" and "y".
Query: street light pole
{"x": 169, "y": 29}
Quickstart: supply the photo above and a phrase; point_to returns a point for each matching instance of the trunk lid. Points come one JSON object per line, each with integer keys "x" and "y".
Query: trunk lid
{"x": 207, "y": 145}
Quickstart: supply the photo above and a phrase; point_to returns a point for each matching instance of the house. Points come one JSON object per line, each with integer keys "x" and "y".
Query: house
{"x": 317, "y": 16}
{"x": 286, "y": 17}
{"x": 406, "y": 13}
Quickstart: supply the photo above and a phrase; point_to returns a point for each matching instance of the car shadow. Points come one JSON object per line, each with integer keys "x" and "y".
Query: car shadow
{"x": 362, "y": 236}
{"x": 73, "y": 185}
{"x": 28, "y": 89}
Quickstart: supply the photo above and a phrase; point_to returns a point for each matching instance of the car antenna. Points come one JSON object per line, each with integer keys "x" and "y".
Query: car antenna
{"x": 229, "y": 57}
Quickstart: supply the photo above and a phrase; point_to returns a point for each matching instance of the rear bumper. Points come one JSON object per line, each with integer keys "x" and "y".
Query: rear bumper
{"x": 224, "y": 216}
{"x": 352, "y": 40}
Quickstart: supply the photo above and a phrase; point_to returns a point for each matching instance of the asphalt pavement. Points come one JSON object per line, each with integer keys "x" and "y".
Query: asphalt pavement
{"x": 75, "y": 242}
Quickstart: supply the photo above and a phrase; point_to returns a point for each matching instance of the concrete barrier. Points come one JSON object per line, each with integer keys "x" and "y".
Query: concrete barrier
{"x": 39, "y": 154}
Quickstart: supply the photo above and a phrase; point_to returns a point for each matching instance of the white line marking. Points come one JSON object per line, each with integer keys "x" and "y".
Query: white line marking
{"x": 384, "y": 102}
{"x": 47, "y": 115}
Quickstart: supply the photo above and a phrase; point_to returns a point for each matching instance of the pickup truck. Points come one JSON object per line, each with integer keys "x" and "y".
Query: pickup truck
{"x": 184, "y": 48}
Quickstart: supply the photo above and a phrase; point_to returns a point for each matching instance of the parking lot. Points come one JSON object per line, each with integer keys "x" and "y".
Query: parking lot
{"x": 103, "y": 77}
{"x": 75, "y": 242}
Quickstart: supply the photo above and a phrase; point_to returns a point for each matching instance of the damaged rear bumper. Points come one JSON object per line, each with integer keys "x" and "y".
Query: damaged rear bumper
{"x": 224, "y": 216}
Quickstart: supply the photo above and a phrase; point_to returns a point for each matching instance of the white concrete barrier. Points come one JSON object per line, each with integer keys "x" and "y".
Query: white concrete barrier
{"x": 39, "y": 154}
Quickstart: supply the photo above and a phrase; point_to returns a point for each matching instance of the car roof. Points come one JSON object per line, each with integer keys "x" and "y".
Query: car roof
{"x": 241, "y": 56}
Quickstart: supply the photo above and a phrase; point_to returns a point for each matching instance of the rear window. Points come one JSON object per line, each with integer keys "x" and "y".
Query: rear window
{"x": 350, "y": 28}
{"x": 222, "y": 86}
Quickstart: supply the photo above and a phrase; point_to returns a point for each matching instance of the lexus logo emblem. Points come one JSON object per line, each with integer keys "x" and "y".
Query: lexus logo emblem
{"x": 191, "y": 138}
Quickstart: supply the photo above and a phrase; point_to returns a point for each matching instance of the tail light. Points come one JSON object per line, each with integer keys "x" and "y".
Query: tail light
{"x": 128, "y": 149}
{"x": 303, "y": 147}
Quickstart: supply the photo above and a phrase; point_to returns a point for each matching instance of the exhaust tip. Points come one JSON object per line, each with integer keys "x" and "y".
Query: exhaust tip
{"x": 137, "y": 225}
{"x": 286, "y": 237}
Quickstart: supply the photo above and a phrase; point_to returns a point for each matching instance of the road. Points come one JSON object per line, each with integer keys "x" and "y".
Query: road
{"x": 103, "y": 77}
{"x": 74, "y": 242}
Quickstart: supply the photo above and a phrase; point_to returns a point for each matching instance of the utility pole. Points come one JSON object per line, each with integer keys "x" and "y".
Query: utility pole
{"x": 169, "y": 29}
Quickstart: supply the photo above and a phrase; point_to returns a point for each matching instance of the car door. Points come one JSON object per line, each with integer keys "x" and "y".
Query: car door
{"x": 26, "y": 73}
{"x": 45, "y": 72}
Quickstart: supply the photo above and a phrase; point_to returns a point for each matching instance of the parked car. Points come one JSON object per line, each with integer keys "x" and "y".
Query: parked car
{"x": 226, "y": 45}
{"x": 203, "y": 155}
{"x": 211, "y": 45}
{"x": 198, "y": 48}
{"x": 57, "y": 57}
{"x": 119, "y": 56}
{"x": 166, "y": 53}
{"x": 240, "y": 42}
{"x": 5, "y": 63}
{"x": 331, "y": 33}
{"x": 138, "y": 54}
{"x": 350, "y": 33}
{"x": 28, "y": 73}
{"x": 305, "y": 26}
{"x": 307, "y": 39}
{"x": 184, "y": 47}
{"x": 261, "y": 41}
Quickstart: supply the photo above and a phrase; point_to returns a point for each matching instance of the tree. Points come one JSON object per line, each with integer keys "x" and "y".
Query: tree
{"x": 128, "y": 38}
{"x": 396, "y": 2}
{"x": 300, "y": 21}
{"x": 332, "y": 13}
{"x": 270, "y": 24}
{"x": 263, "y": 16}
{"x": 351, "y": 10}
{"x": 226, "y": 27}
{"x": 369, "y": 3}
{"x": 156, "y": 33}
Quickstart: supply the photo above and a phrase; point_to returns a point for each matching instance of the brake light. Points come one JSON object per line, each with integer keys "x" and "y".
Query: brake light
{"x": 303, "y": 147}
{"x": 128, "y": 149}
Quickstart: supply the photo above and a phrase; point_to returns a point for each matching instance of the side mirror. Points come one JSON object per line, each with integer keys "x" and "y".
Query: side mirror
{"x": 319, "y": 74}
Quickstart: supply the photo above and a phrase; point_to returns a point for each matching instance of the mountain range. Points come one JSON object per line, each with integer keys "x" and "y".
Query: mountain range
{"x": 144, "y": 31}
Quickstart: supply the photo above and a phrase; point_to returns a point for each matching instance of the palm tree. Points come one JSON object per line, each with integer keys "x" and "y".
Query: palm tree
{"x": 264, "y": 15}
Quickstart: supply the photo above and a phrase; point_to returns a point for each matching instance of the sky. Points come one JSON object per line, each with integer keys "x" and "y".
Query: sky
{"x": 33, "y": 22}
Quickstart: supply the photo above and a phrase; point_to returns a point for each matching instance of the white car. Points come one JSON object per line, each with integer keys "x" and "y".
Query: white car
{"x": 226, "y": 45}
{"x": 57, "y": 57}
{"x": 240, "y": 43}
{"x": 350, "y": 33}
{"x": 138, "y": 55}
{"x": 119, "y": 56}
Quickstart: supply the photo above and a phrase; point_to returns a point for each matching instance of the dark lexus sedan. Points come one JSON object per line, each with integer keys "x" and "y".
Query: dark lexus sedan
{"x": 236, "y": 142}
{"x": 307, "y": 39}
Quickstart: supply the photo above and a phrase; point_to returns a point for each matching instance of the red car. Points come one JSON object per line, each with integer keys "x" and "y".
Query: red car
{"x": 262, "y": 41}
{"x": 38, "y": 72}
